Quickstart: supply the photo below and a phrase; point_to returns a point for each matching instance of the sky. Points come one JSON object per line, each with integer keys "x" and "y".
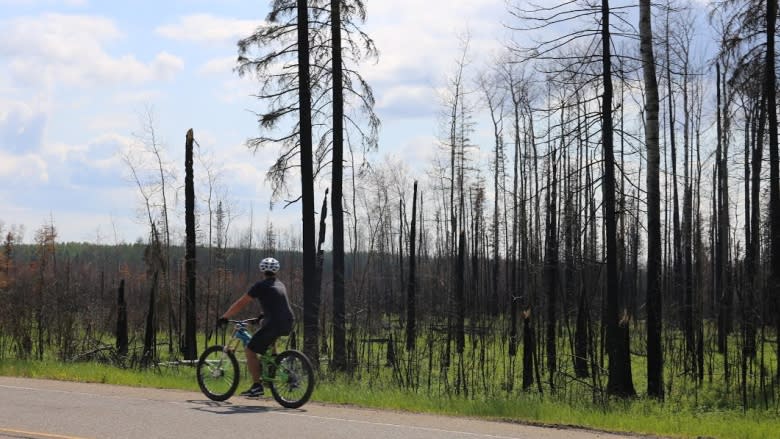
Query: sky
{"x": 77, "y": 77}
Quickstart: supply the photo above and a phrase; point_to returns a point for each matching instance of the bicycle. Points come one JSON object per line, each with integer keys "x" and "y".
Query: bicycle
{"x": 288, "y": 374}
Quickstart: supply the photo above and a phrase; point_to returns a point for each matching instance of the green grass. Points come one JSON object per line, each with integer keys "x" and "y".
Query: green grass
{"x": 638, "y": 416}
{"x": 171, "y": 378}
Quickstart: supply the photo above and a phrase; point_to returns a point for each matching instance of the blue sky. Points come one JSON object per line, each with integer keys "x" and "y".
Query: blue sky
{"x": 77, "y": 75}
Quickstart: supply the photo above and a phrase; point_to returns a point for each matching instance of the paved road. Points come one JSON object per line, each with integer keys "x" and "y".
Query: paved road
{"x": 44, "y": 409}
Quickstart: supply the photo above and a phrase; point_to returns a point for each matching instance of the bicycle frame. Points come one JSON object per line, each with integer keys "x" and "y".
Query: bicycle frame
{"x": 241, "y": 334}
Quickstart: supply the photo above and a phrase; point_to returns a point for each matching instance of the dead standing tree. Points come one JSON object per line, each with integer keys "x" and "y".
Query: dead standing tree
{"x": 311, "y": 297}
{"x": 495, "y": 97}
{"x": 615, "y": 320}
{"x": 655, "y": 384}
{"x": 345, "y": 34}
{"x": 517, "y": 85}
{"x": 456, "y": 144}
{"x": 285, "y": 44}
{"x": 750, "y": 32}
{"x": 620, "y": 381}
{"x": 688, "y": 73}
{"x": 551, "y": 262}
{"x": 190, "y": 347}
{"x": 411, "y": 287}
{"x": 331, "y": 42}
{"x": 154, "y": 177}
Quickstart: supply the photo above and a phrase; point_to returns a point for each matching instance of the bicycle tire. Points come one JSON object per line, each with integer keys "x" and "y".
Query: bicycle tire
{"x": 217, "y": 373}
{"x": 293, "y": 381}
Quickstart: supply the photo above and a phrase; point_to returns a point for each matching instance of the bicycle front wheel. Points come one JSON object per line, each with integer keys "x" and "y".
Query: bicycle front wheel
{"x": 293, "y": 382}
{"x": 217, "y": 373}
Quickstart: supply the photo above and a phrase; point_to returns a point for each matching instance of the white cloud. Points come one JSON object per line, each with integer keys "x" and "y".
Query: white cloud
{"x": 166, "y": 66}
{"x": 237, "y": 91}
{"x": 22, "y": 125}
{"x": 52, "y": 54}
{"x": 419, "y": 151}
{"x": 419, "y": 44}
{"x": 205, "y": 28}
{"x": 64, "y": 164}
{"x": 22, "y": 170}
{"x": 427, "y": 45}
{"x": 137, "y": 96}
{"x": 21, "y": 110}
{"x": 100, "y": 160}
{"x": 61, "y": 152}
{"x": 219, "y": 65}
{"x": 70, "y": 50}
{"x": 408, "y": 101}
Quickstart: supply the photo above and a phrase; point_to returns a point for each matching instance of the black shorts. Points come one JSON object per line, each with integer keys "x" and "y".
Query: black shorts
{"x": 267, "y": 335}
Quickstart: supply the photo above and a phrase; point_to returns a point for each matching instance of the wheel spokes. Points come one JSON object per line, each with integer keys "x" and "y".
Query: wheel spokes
{"x": 292, "y": 380}
{"x": 217, "y": 376}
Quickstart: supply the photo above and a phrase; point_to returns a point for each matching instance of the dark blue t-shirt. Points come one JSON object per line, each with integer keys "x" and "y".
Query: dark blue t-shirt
{"x": 272, "y": 296}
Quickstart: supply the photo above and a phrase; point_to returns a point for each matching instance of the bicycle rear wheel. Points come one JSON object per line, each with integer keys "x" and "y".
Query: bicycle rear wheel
{"x": 217, "y": 373}
{"x": 293, "y": 381}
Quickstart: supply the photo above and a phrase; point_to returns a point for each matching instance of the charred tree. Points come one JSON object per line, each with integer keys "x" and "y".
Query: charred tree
{"x": 311, "y": 297}
{"x": 655, "y": 383}
{"x": 190, "y": 328}
{"x": 551, "y": 266}
{"x": 411, "y": 287}
{"x": 121, "y": 321}
{"x": 770, "y": 84}
{"x": 339, "y": 316}
{"x": 723, "y": 285}
{"x": 617, "y": 328}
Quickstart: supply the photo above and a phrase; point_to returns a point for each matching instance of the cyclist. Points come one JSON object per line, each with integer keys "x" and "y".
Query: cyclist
{"x": 277, "y": 320}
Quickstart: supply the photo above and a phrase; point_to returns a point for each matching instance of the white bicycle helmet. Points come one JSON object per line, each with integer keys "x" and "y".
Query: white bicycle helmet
{"x": 269, "y": 264}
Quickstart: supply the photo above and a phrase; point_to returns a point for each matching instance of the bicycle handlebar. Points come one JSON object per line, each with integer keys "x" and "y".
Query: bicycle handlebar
{"x": 243, "y": 322}
{"x": 252, "y": 320}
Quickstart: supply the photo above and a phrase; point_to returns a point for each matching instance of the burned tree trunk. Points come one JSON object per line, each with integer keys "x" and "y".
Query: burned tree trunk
{"x": 722, "y": 249}
{"x": 551, "y": 268}
{"x": 339, "y": 317}
{"x": 320, "y": 261}
{"x": 411, "y": 288}
{"x": 150, "y": 334}
{"x": 620, "y": 380}
{"x": 190, "y": 341}
{"x": 655, "y": 384}
{"x": 311, "y": 297}
{"x": 460, "y": 302}
{"x": 121, "y": 321}
{"x": 770, "y": 84}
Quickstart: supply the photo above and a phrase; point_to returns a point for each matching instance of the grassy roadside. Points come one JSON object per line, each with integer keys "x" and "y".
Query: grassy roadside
{"x": 640, "y": 416}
